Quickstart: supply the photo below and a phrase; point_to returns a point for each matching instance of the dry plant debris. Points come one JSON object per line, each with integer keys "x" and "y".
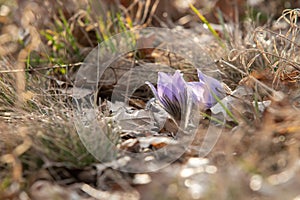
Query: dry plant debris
{"x": 42, "y": 46}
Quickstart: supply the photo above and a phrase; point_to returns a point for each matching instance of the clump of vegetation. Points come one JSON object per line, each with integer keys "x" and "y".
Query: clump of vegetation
{"x": 257, "y": 155}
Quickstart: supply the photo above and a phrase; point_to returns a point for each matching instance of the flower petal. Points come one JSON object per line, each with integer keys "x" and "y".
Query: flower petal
{"x": 171, "y": 92}
{"x": 169, "y": 86}
{"x": 166, "y": 102}
{"x": 153, "y": 89}
{"x": 164, "y": 81}
{"x": 213, "y": 86}
{"x": 197, "y": 91}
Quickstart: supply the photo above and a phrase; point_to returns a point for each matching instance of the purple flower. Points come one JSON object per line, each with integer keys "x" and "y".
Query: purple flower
{"x": 206, "y": 89}
{"x": 173, "y": 92}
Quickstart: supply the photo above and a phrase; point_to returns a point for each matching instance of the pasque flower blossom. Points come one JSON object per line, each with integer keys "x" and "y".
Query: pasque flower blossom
{"x": 173, "y": 92}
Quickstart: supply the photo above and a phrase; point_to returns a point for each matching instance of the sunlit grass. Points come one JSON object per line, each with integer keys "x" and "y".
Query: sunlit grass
{"x": 210, "y": 28}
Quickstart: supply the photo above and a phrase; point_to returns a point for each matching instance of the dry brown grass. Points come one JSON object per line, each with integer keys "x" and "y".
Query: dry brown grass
{"x": 257, "y": 159}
